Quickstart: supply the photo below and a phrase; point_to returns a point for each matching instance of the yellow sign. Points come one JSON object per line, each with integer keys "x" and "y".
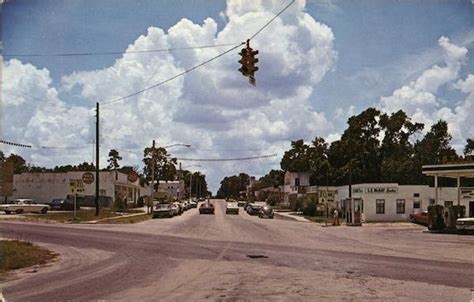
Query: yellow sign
{"x": 76, "y": 185}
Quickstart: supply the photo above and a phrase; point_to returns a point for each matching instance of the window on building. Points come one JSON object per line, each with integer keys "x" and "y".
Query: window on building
{"x": 380, "y": 206}
{"x": 432, "y": 201}
{"x": 400, "y": 206}
{"x": 297, "y": 182}
{"x": 448, "y": 203}
{"x": 416, "y": 194}
{"x": 416, "y": 205}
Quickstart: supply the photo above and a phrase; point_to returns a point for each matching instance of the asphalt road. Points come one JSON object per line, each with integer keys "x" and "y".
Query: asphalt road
{"x": 241, "y": 257}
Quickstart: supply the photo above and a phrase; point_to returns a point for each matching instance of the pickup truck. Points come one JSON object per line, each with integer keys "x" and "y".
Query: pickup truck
{"x": 24, "y": 206}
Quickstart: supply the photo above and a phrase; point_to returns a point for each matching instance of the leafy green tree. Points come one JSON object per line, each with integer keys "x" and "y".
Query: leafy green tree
{"x": 435, "y": 147}
{"x": 469, "y": 148}
{"x": 19, "y": 164}
{"x": 274, "y": 178}
{"x": 231, "y": 186}
{"x": 297, "y": 158}
{"x": 114, "y": 158}
{"x": 164, "y": 165}
{"x": 2, "y": 156}
{"x": 398, "y": 163}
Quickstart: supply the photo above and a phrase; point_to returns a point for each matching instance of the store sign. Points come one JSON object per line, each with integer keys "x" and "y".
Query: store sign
{"x": 76, "y": 185}
{"x": 467, "y": 193}
{"x": 88, "y": 178}
{"x": 376, "y": 190}
{"x": 132, "y": 176}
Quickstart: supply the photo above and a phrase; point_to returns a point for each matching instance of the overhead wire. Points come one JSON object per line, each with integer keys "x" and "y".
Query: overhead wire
{"x": 118, "y": 52}
{"x": 172, "y": 78}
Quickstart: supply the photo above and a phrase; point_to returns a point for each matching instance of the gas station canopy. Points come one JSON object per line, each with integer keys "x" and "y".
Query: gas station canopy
{"x": 450, "y": 170}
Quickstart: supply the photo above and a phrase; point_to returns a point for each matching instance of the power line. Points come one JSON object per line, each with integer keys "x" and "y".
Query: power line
{"x": 271, "y": 20}
{"x": 228, "y": 159}
{"x": 173, "y": 77}
{"x": 117, "y": 52}
{"x": 15, "y": 144}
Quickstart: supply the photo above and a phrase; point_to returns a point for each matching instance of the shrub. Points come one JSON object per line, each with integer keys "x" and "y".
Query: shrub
{"x": 307, "y": 205}
{"x": 119, "y": 205}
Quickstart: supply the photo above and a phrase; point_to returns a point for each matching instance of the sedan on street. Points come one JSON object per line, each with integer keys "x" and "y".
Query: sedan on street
{"x": 266, "y": 211}
{"x": 206, "y": 208}
{"x": 232, "y": 208}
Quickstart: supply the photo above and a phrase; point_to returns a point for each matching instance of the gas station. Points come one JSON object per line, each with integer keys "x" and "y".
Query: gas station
{"x": 444, "y": 218}
{"x": 454, "y": 171}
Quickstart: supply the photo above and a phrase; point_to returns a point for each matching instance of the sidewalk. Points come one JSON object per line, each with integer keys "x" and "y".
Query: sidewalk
{"x": 290, "y": 216}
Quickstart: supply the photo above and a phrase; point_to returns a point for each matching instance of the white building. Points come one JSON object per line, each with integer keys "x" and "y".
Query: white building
{"x": 45, "y": 186}
{"x": 174, "y": 189}
{"x": 294, "y": 186}
{"x": 393, "y": 202}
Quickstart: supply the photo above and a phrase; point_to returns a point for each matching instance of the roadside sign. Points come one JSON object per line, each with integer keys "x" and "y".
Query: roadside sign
{"x": 88, "y": 178}
{"x": 76, "y": 185}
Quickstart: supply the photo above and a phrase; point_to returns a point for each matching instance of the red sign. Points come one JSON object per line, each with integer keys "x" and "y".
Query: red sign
{"x": 132, "y": 176}
{"x": 88, "y": 178}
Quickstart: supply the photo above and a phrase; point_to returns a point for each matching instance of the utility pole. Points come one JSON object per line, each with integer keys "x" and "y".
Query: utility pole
{"x": 152, "y": 174}
{"x": 190, "y": 186}
{"x": 97, "y": 188}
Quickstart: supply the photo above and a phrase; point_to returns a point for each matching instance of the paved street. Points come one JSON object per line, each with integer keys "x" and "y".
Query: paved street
{"x": 230, "y": 257}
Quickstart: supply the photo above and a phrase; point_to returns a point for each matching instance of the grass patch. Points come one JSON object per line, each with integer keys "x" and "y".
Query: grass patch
{"x": 16, "y": 254}
{"x": 82, "y": 216}
{"x": 319, "y": 219}
{"x": 125, "y": 220}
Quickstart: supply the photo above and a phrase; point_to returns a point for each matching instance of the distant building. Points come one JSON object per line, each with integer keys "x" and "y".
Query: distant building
{"x": 294, "y": 186}
{"x": 174, "y": 189}
{"x": 45, "y": 186}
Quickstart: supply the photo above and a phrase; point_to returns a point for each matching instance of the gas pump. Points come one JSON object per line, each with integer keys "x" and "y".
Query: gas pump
{"x": 354, "y": 209}
{"x": 435, "y": 218}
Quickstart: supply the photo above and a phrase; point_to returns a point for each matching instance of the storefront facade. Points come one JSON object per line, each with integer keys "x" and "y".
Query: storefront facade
{"x": 43, "y": 187}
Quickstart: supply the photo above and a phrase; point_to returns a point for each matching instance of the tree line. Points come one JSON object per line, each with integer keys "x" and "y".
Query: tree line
{"x": 375, "y": 147}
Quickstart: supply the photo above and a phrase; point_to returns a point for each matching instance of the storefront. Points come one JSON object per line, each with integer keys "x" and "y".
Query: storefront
{"x": 44, "y": 187}
{"x": 390, "y": 201}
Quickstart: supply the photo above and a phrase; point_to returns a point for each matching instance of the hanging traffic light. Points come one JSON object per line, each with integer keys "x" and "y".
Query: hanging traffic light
{"x": 248, "y": 61}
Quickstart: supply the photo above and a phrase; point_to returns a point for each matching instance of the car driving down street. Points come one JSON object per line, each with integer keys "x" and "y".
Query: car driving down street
{"x": 206, "y": 208}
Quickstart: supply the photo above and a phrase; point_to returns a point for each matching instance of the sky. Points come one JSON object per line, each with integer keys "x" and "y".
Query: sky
{"x": 320, "y": 62}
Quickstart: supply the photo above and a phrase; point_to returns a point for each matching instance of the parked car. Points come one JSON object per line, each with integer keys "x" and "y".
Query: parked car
{"x": 420, "y": 218}
{"x": 24, "y": 206}
{"x": 465, "y": 224}
{"x": 241, "y": 203}
{"x": 162, "y": 210}
{"x": 62, "y": 205}
{"x": 193, "y": 204}
{"x": 266, "y": 211}
{"x": 206, "y": 208}
{"x": 177, "y": 207}
{"x": 232, "y": 207}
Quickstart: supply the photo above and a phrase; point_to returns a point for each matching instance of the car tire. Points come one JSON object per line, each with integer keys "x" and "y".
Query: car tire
{"x": 19, "y": 211}
{"x": 44, "y": 210}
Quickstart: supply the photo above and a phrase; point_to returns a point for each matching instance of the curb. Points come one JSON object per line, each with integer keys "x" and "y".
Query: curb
{"x": 113, "y": 218}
